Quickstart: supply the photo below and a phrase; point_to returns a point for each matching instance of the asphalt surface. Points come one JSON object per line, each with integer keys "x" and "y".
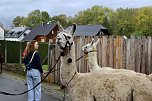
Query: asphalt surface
{"x": 13, "y": 86}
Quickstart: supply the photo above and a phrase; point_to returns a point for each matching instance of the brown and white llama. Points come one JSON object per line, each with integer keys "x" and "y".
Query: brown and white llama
{"x": 98, "y": 86}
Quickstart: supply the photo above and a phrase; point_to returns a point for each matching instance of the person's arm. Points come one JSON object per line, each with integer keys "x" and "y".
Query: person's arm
{"x": 38, "y": 62}
{"x": 24, "y": 53}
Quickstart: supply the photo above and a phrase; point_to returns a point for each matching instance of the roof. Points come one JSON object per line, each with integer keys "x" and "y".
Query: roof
{"x": 16, "y": 32}
{"x": 88, "y": 30}
{"x": 41, "y": 29}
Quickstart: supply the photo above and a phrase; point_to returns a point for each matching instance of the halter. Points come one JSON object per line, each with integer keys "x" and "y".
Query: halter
{"x": 86, "y": 53}
{"x": 90, "y": 51}
{"x": 68, "y": 44}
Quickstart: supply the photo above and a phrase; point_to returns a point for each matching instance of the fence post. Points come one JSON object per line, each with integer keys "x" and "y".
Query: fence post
{"x": 5, "y": 51}
{"x": 20, "y": 50}
{"x": 50, "y": 47}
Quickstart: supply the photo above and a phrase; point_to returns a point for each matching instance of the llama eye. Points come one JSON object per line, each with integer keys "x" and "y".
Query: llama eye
{"x": 68, "y": 37}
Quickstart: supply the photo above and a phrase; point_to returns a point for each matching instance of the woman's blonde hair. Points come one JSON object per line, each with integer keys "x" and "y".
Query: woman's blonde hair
{"x": 31, "y": 47}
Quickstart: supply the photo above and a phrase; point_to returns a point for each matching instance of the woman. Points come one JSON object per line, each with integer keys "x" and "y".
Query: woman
{"x": 34, "y": 74}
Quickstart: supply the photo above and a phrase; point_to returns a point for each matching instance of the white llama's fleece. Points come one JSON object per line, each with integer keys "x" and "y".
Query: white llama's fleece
{"x": 108, "y": 86}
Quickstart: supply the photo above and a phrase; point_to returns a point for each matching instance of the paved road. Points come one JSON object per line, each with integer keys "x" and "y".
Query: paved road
{"x": 13, "y": 86}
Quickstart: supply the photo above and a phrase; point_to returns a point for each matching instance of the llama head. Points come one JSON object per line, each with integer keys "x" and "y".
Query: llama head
{"x": 91, "y": 47}
{"x": 65, "y": 38}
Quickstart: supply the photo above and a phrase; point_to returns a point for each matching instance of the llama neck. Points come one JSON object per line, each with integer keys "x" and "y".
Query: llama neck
{"x": 68, "y": 69}
{"x": 92, "y": 57}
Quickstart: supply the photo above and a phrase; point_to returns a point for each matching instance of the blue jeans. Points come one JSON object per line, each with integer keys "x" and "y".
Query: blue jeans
{"x": 33, "y": 78}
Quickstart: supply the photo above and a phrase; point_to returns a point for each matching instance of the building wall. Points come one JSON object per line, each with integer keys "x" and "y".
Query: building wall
{"x": 1, "y": 34}
{"x": 12, "y": 39}
{"x": 40, "y": 38}
{"x": 52, "y": 34}
{"x": 47, "y": 38}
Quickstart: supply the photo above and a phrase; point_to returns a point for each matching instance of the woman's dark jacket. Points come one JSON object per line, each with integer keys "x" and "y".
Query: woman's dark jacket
{"x": 36, "y": 61}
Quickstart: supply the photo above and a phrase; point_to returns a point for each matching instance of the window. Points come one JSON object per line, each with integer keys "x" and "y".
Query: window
{"x": 52, "y": 32}
{"x": 24, "y": 34}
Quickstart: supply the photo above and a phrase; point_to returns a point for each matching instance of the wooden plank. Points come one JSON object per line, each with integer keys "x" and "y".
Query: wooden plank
{"x": 124, "y": 53}
{"x": 111, "y": 51}
{"x": 81, "y": 61}
{"x": 138, "y": 54}
{"x": 143, "y": 55}
{"x": 150, "y": 54}
{"x": 81, "y": 64}
{"x": 78, "y": 48}
{"x": 104, "y": 48}
{"x": 57, "y": 67}
{"x": 76, "y": 51}
{"x": 146, "y": 55}
{"x": 99, "y": 50}
{"x": 117, "y": 52}
{"x": 114, "y": 53}
{"x": 88, "y": 41}
{"x": 118, "y": 46}
{"x": 132, "y": 53}
{"x": 128, "y": 55}
{"x": 84, "y": 58}
{"x": 108, "y": 52}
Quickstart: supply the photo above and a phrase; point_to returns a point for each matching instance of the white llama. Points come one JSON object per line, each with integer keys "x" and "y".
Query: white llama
{"x": 91, "y": 51}
{"x": 98, "y": 86}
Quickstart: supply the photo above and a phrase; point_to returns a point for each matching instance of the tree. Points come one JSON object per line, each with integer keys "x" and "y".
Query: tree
{"x": 44, "y": 17}
{"x": 35, "y": 17}
{"x": 119, "y": 22}
{"x": 62, "y": 19}
{"x": 95, "y": 15}
{"x": 143, "y": 20}
{"x": 122, "y": 22}
{"x": 18, "y": 21}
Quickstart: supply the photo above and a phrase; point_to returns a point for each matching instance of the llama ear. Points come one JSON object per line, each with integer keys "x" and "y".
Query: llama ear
{"x": 92, "y": 41}
{"x": 96, "y": 42}
{"x": 73, "y": 29}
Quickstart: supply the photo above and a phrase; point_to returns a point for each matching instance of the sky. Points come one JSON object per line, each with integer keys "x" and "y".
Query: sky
{"x": 9, "y": 9}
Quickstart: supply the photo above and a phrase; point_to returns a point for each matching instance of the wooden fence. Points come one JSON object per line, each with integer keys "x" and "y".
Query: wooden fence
{"x": 134, "y": 53}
